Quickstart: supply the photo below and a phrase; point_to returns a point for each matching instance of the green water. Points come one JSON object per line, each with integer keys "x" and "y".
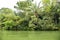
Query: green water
{"x": 29, "y": 35}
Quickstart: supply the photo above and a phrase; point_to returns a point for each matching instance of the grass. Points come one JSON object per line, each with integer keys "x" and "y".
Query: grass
{"x": 29, "y": 35}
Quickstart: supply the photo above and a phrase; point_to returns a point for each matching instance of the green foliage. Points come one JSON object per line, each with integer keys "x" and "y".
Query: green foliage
{"x": 31, "y": 16}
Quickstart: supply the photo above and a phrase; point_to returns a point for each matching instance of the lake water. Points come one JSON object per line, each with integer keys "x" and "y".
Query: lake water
{"x": 29, "y": 35}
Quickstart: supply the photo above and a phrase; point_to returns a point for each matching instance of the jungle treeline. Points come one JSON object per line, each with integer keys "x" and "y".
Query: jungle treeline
{"x": 31, "y": 17}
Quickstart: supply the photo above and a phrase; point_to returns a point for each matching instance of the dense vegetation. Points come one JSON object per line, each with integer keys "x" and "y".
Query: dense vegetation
{"x": 29, "y": 16}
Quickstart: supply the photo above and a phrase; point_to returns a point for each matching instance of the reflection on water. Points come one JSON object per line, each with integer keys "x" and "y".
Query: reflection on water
{"x": 1, "y": 35}
{"x": 29, "y": 35}
{"x": 44, "y": 35}
{"x": 59, "y": 36}
{"x": 15, "y": 35}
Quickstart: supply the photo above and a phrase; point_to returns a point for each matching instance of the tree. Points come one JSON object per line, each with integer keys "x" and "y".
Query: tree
{"x": 29, "y": 16}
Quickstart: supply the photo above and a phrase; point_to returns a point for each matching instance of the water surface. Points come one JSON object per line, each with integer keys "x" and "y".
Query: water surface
{"x": 29, "y": 35}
